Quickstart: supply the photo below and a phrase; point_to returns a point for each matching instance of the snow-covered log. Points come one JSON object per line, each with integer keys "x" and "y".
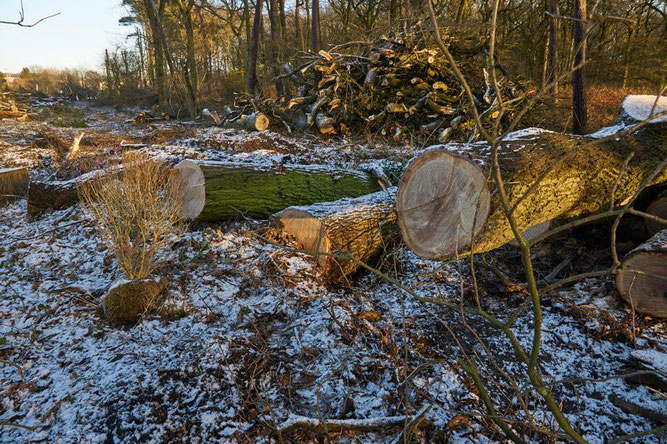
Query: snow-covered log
{"x": 445, "y": 197}
{"x": 215, "y": 191}
{"x": 332, "y": 231}
{"x": 641, "y": 279}
{"x": 13, "y": 184}
{"x": 56, "y": 194}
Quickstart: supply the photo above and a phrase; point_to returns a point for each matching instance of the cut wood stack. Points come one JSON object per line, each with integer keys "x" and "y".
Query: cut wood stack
{"x": 641, "y": 279}
{"x": 343, "y": 233}
{"x": 395, "y": 85}
{"x": 446, "y": 198}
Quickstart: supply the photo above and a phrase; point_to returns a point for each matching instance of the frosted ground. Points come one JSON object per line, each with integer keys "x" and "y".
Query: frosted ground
{"x": 249, "y": 336}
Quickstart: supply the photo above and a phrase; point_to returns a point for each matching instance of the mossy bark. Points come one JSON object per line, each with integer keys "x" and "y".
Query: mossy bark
{"x": 233, "y": 190}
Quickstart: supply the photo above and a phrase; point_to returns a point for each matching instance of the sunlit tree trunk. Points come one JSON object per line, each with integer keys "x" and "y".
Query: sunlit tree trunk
{"x": 552, "y": 69}
{"x": 315, "y": 43}
{"x": 579, "y": 116}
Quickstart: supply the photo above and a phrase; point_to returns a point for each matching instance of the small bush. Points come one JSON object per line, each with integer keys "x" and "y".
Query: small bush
{"x": 137, "y": 212}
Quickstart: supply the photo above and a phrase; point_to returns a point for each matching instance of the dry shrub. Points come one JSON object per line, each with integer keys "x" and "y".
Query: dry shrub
{"x": 137, "y": 211}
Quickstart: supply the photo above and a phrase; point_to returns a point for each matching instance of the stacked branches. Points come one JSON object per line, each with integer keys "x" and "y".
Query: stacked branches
{"x": 397, "y": 85}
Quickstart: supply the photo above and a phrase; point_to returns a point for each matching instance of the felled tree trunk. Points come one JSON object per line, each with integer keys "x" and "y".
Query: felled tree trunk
{"x": 657, "y": 208}
{"x": 641, "y": 279}
{"x": 252, "y": 122}
{"x": 13, "y": 184}
{"x": 332, "y": 231}
{"x": 215, "y": 191}
{"x": 445, "y": 198}
{"x": 56, "y": 194}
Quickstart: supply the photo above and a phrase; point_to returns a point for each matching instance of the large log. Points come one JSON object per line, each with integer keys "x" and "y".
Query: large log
{"x": 657, "y": 208}
{"x": 215, "y": 191}
{"x": 13, "y": 184}
{"x": 446, "y": 196}
{"x": 641, "y": 279}
{"x": 360, "y": 227}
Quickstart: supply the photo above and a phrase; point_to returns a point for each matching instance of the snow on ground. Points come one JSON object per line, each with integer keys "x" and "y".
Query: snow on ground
{"x": 248, "y": 334}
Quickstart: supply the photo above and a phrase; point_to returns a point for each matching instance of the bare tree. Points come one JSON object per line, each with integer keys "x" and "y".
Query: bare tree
{"x": 579, "y": 115}
{"x": 251, "y": 81}
{"x": 21, "y": 19}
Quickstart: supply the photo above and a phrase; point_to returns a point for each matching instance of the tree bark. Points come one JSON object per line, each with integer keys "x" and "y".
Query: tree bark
{"x": 315, "y": 43}
{"x": 190, "y": 68}
{"x": 215, "y": 191}
{"x": 13, "y": 184}
{"x": 552, "y": 70}
{"x": 444, "y": 197}
{"x": 332, "y": 231}
{"x": 579, "y": 114}
{"x": 641, "y": 279}
{"x": 275, "y": 45}
{"x": 251, "y": 81}
{"x": 657, "y": 208}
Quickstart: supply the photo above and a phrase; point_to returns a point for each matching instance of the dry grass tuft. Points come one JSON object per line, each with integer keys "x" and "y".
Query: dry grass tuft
{"x": 137, "y": 211}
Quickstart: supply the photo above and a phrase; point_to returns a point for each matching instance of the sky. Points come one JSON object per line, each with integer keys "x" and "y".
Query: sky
{"x": 74, "y": 39}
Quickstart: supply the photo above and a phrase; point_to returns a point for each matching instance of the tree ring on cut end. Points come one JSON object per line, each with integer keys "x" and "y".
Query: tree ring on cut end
{"x": 440, "y": 197}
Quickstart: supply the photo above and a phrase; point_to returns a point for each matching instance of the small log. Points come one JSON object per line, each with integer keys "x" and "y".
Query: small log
{"x": 252, "y": 122}
{"x": 641, "y": 279}
{"x": 215, "y": 191}
{"x": 4, "y": 114}
{"x": 56, "y": 194}
{"x": 13, "y": 184}
{"x": 444, "y": 199}
{"x": 657, "y": 208}
{"x": 330, "y": 231}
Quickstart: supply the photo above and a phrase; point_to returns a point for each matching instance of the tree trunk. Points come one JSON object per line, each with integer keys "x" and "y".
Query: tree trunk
{"x": 657, "y": 208}
{"x": 13, "y": 184}
{"x": 331, "y": 231}
{"x": 190, "y": 68}
{"x": 579, "y": 115}
{"x": 315, "y": 43}
{"x": 158, "y": 52}
{"x": 226, "y": 190}
{"x": 251, "y": 81}
{"x": 552, "y": 70}
{"x": 275, "y": 45}
{"x": 444, "y": 196}
{"x": 641, "y": 279}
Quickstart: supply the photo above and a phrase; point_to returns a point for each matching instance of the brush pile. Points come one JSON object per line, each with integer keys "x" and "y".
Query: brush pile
{"x": 398, "y": 86}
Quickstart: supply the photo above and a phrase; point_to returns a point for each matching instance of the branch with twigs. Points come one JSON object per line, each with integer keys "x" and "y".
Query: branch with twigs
{"x": 21, "y": 19}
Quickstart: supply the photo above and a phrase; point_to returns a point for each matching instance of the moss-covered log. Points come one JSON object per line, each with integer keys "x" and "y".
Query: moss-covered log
{"x": 361, "y": 227}
{"x": 641, "y": 279}
{"x": 445, "y": 197}
{"x": 215, "y": 191}
{"x": 13, "y": 184}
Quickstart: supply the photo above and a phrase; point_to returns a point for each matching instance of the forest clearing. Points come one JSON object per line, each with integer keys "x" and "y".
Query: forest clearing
{"x": 394, "y": 231}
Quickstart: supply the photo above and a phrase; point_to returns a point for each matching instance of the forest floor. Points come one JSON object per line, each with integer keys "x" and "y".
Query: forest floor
{"x": 249, "y": 335}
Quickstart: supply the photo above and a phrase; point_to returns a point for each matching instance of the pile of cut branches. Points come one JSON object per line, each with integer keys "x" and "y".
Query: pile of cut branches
{"x": 397, "y": 85}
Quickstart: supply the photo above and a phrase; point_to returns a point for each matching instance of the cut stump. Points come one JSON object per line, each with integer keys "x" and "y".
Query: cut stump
{"x": 641, "y": 279}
